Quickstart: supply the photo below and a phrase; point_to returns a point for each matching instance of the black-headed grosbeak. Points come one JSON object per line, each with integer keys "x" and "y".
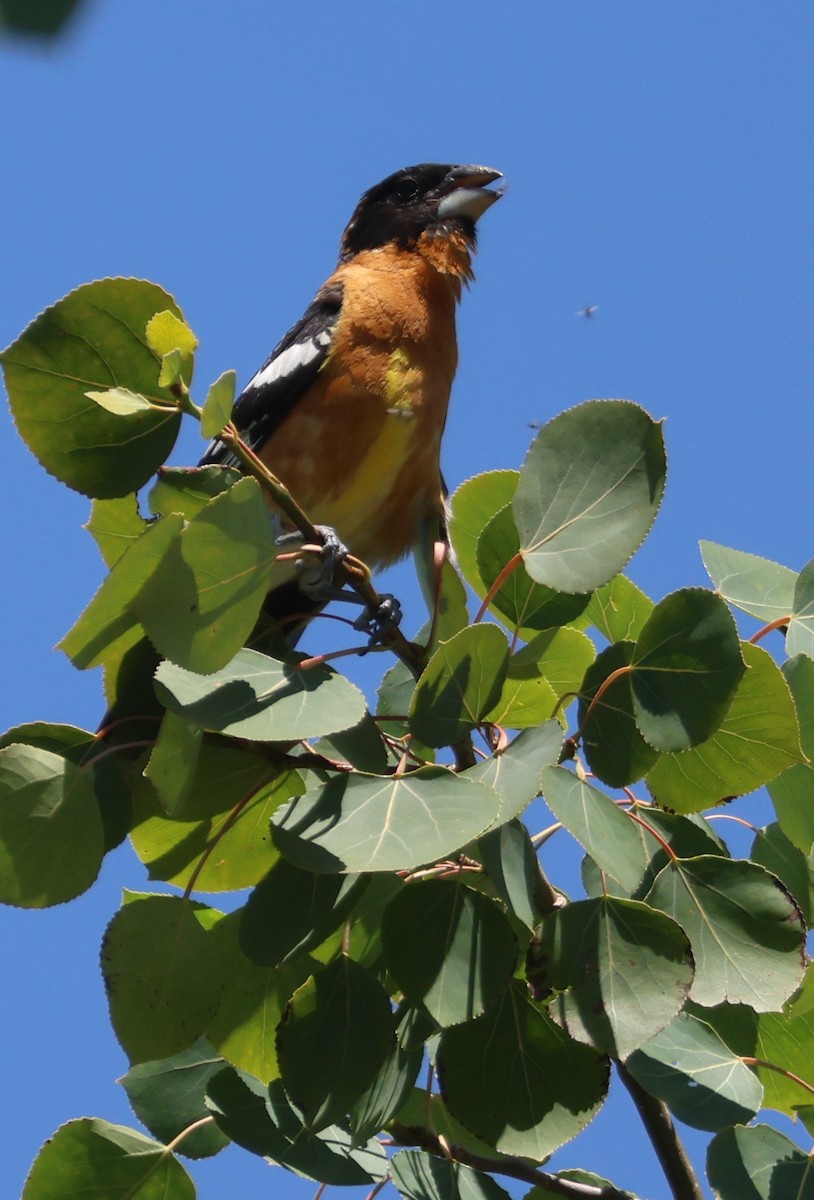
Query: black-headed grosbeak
{"x": 349, "y": 409}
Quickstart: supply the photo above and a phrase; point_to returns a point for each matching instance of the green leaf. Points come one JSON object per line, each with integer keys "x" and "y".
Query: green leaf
{"x": 758, "y": 1163}
{"x": 167, "y": 331}
{"x": 388, "y": 1092}
{"x": 91, "y": 1157}
{"x": 599, "y": 825}
{"x": 793, "y": 792}
{"x": 746, "y": 933}
{"x": 686, "y": 667}
{"x": 251, "y": 1004}
{"x": 115, "y": 525}
{"x": 335, "y": 1035}
{"x": 448, "y": 948}
{"x": 120, "y": 401}
{"x": 773, "y": 850}
{"x": 755, "y": 585}
{"x": 173, "y": 762}
{"x": 263, "y": 1121}
{"x": 358, "y": 823}
{"x": 362, "y": 746}
{"x": 576, "y": 1176}
{"x": 619, "y": 609}
{"x": 167, "y": 1096}
{"x": 511, "y": 864}
{"x": 472, "y": 507}
{"x": 623, "y": 971}
{"x": 520, "y": 602}
{"x": 757, "y": 739}
{"x": 542, "y": 678}
{"x": 460, "y": 684}
{"x": 291, "y": 911}
{"x": 589, "y": 491}
{"x": 514, "y": 773}
{"x": 108, "y": 622}
{"x": 79, "y": 746}
{"x": 162, "y": 979}
{"x": 217, "y": 407}
{"x": 172, "y": 848}
{"x": 788, "y": 1042}
{"x": 517, "y": 1081}
{"x": 418, "y": 1176}
{"x": 51, "y": 834}
{"x": 93, "y": 338}
{"x": 262, "y": 699}
{"x": 186, "y": 490}
{"x": 202, "y": 602}
{"x": 693, "y": 1071}
{"x": 615, "y": 749}
{"x": 800, "y": 637}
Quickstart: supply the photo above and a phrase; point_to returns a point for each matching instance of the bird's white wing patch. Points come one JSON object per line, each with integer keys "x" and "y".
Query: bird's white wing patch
{"x": 290, "y": 360}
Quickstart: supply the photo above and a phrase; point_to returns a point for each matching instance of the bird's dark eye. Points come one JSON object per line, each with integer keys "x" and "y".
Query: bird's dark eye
{"x": 405, "y": 191}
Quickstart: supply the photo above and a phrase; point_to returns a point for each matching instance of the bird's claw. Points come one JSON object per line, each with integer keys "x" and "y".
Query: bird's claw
{"x": 315, "y": 573}
{"x": 378, "y": 623}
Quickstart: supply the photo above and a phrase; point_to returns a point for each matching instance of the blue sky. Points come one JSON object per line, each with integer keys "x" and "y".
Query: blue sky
{"x": 659, "y": 165}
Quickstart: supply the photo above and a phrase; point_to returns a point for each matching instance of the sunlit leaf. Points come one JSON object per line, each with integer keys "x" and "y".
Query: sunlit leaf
{"x": 755, "y": 585}
{"x": 758, "y": 1163}
{"x": 459, "y": 686}
{"x": 589, "y": 491}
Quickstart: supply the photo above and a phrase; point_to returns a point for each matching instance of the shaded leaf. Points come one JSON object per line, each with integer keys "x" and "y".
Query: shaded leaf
{"x": 361, "y": 823}
{"x": 162, "y": 978}
{"x": 167, "y": 1095}
{"x": 793, "y": 792}
{"x": 686, "y": 667}
{"x": 419, "y": 1176}
{"x": 251, "y": 1004}
{"x": 600, "y": 827}
{"x": 386, "y": 1095}
{"x": 114, "y": 525}
{"x": 201, "y": 603}
{"x": 621, "y": 970}
{"x": 459, "y": 685}
{"x": 108, "y": 621}
{"x": 589, "y": 491}
{"x": 336, "y": 1033}
{"x": 173, "y": 762}
{"x": 515, "y": 772}
{"x": 619, "y": 609}
{"x": 745, "y": 930}
{"x": 186, "y": 490}
{"x": 773, "y": 850}
{"x": 264, "y": 1122}
{"x": 91, "y": 1157}
{"x": 705, "y": 1084}
{"x": 51, "y": 834}
{"x": 615, "y": 749}
{"x": 758, "y": 1163}
{"x": 449, "y": 949}
{"x": 262, "y": 699}
{"x": 472, "y": 507}
{"x": 756, "y": 740}
{"x": 520, "y": 602}
{"x": 92, "y": 339}
{"x": 511, "y": 864}
{"x": 291, "y": 911}
{"x": 517, "y": 1081}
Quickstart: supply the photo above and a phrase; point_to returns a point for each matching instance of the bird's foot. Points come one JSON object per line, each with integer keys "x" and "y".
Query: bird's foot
{"x": 380, "y": 622}
{"x": 315, "y": 571}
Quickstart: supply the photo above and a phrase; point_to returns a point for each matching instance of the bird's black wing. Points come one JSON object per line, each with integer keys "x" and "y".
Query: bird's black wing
{"x": 285, "y": 376}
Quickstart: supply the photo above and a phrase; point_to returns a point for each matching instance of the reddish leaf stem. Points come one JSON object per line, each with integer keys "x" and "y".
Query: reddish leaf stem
{"x": 510, "y": 567}
{"x": 780, "y": 623}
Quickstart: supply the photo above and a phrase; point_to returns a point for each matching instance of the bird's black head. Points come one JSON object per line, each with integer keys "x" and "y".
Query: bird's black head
{"x": 416, "y": 199}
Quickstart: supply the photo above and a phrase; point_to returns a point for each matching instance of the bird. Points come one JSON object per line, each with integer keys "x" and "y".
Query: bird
{"x": 349, "y": 408}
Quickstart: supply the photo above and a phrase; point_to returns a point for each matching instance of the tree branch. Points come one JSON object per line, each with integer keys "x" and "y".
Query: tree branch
{"x": 514, "y": 1168}
{"x": 662, "y": 1133}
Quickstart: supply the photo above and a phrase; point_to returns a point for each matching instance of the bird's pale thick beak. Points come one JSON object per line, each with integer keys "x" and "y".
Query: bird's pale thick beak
{"x": 464, "y": 192}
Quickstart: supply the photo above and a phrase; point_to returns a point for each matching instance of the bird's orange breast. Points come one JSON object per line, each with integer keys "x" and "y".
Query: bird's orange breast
{"x": 362, "y": 454}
